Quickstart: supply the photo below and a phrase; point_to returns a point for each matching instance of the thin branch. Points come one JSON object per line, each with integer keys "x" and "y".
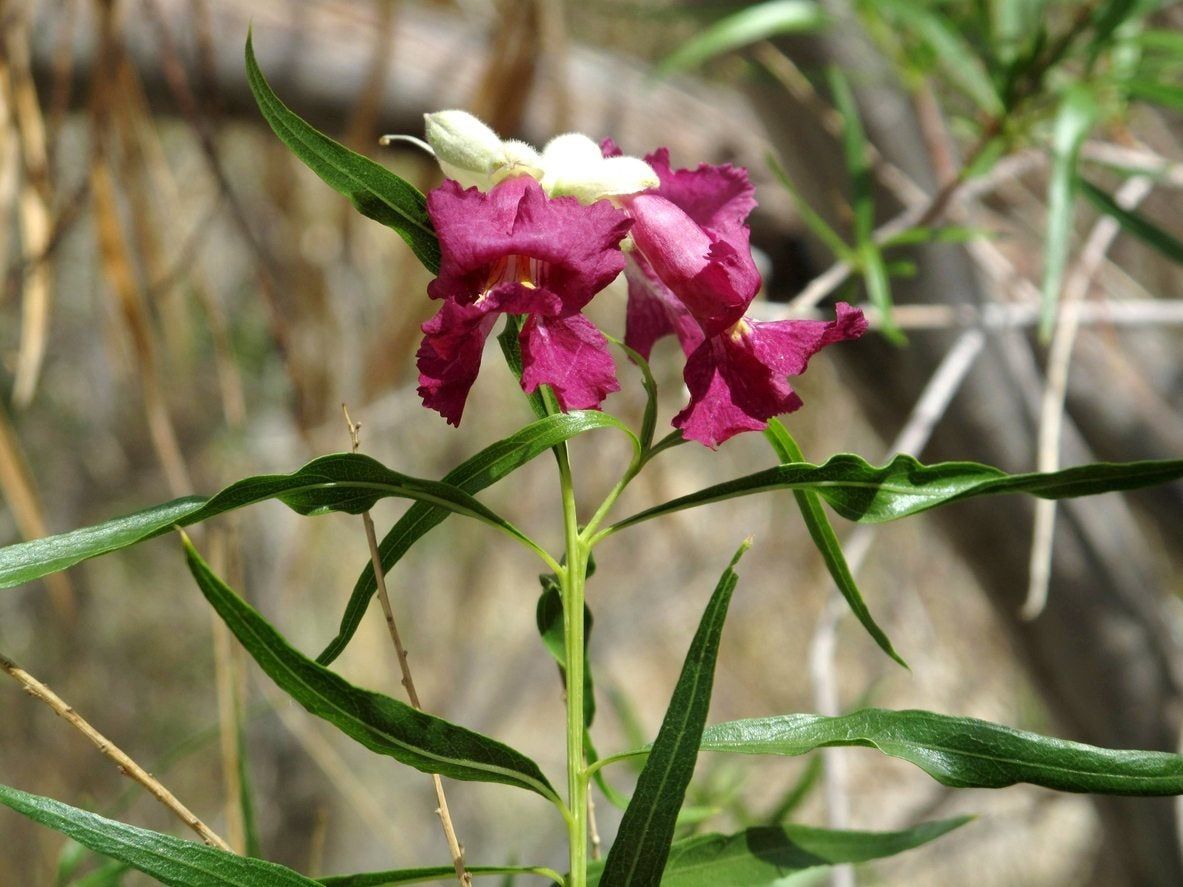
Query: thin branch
{"x": 1002, "y": 315}
{"x": 1051, "y": 413}
{"x": 454, "y": 846}
{"x": 125, "y": 764}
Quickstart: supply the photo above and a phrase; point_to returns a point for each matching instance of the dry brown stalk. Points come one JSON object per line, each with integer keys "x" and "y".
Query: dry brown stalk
{"x": 454, "y": 846}
{"x": 33, "y": 206}
{"x": 20, "y": 493}
{"x": 125, "y": 764}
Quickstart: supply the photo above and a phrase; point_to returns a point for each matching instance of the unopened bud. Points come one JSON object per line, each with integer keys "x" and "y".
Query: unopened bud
{"x": 467, "y": 150}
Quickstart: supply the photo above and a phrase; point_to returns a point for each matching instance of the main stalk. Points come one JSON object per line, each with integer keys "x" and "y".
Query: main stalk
{"x": 572, "y": 585}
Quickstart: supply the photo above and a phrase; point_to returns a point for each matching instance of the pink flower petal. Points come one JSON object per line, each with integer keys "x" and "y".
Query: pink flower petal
{"x": 567, "y": 250}
{"x": 716, "y": 197}
{"x": 449, "y": 357}
{"x": 737, "y": 379}
{"x": 653, "y": 311}
{"x": 711, "y": 273}
{"x": 570, "y": 355}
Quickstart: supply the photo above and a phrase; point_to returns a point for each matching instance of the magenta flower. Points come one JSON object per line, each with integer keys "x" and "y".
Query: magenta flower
{"x": 694, "y": 277}
{"x": 516, "y": 251}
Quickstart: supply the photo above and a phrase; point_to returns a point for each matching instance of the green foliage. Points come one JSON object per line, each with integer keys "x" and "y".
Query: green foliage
{"x": 1075, "y": 118}
{"x": 430, "y": 874}
{"x": 1134, "y": 223}
{"x": 638, "y": 856}
{"x": 381, "y": 724}
{"x": 861, "y": 492}
{"x": 761, "y": 857}
{"x": 169, "y": 860}
{"x": 375, "y": 191}
{"x": 347, "y": 482}
{"x": 826, "y": 541}
{"x": 758, "y": 22}
{"x": 959, "y": 752}
{"x": 475, "y": 474}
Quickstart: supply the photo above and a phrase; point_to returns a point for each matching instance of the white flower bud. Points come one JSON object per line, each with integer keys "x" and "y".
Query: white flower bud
{"x": 575, "y": 166}
{"x": 467, "y": 150}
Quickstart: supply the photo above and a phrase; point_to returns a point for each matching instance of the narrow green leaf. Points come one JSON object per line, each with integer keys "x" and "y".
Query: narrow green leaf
{"x": 1166, "y": 95}
{"x": 549, "y": 618}
{"x": 761, "y": 857}
{"x": 433, "y": 873}
{"x": 169, "y": 860}
{"x": 642, "y": 844}
{"x": 1134, "y": 223}
{"x": 542, "y": 401}
{"x": 861, "y": 492}
{"x": 867, "y": 255}
{"x": 475, "y": 474}
{"x": 1075, "y": 118}
{"x": 381, "y": 724}
{"x": 854, "y": 150}
{"x": 879, "y": 291}
{"x": 958, "y": 60}
{"x": 375, "y": 191}
{"x": 959, "y": 752}
{"x": 1166, "y": 42}
{"x": 741, "y": 28}
{"x": 941, "y": 234}
{"x": 347, "y": 482}
{"x": 813, "y": 221}
{"x": 826, "y": 541}
{"x": 109, "y": 874}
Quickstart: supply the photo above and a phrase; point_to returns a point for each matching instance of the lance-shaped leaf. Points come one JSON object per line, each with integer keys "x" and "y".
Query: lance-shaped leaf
{"x": 861, "y": 492}
{"x": 485, "y": 468}
{"x": 548, "y": 615}
{"x": 429, "y": 874}
{"x": 824, "y": 538}
{"x": 749, "y": 25}
{"x": 761, "y": 857}
{"x": 642, "y": 844}
{"x": 374, "y": 190}
{"x": 1074, "y": 120}
{"x": 347, "y": 482}
{"x": 381, "y": 724}
{"x": 955, "y": 751}
{"x": 1134, "y": 223}
{"x": 169, "y": 860}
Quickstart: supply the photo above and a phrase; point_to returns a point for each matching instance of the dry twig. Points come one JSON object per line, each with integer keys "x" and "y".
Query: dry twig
{"x": 454, "y": 846}
{"x": 125, "y": 764}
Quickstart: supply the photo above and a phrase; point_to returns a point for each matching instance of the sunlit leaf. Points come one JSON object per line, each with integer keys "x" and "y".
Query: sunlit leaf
{"x": 958, "y": 60}
{"x": 1075, "y": 118}
{"x": 381, "y": 724}
{"x": 642, "y": 844}
{"x": 762, "y": 857}
{"x": 475, "y": 474}
{"x": 813, "y": 221}
{"x": 826, "y": 541}
{"x": 430, "y": 874}
{"x": 758, "y": 22}
{"x": 171, "y": 861}
{"x": 959, "y": 752}
{"x": 861, "y": 492}
{"x": 955, "y": 751}
{"x": 374, "y": 190}
{"x": 1134, "y": 223}
{"x": 347, "y": 482}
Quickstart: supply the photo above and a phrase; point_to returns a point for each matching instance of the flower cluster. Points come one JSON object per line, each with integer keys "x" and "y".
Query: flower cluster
{"x": 539, "y": 234}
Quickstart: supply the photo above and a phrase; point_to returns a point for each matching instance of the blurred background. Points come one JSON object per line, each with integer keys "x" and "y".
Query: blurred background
{"x": 184, "y": 304}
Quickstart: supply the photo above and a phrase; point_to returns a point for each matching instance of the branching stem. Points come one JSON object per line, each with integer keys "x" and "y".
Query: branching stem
{"x": 454, "y": 846}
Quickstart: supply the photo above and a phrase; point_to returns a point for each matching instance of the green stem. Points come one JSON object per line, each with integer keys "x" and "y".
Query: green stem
{"x": 572, "y": 578}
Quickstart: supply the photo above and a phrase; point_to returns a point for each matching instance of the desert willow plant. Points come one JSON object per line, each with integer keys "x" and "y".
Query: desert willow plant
{"x": 527, "y": 239}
